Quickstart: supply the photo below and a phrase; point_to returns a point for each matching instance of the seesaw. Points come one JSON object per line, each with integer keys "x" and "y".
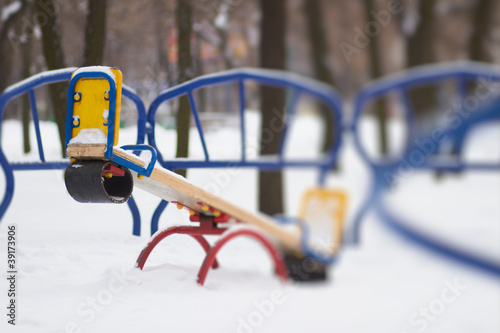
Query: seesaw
{"x": 100, "y": 172}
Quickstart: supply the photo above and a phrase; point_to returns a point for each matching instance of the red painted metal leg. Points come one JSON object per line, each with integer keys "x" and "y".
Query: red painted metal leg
{"x": 191, "y": 231}
{"x": 280, "y": 267}
{"x": 203, "y": 242}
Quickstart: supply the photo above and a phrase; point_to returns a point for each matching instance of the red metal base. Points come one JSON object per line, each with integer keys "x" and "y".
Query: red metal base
{"x": 209, "y": 227}
{"x": 194, "y": 232}
{"x": 280, "y": 267}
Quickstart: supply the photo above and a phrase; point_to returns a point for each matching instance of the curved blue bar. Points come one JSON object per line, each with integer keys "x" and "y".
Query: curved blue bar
{"x": 141, "y": 113}
{"x": 155, "y": 220}
{"x": 8, "y": 94}
{"x": 136, "y": 216}
{"x": 419, "y": 76}
{"x": 134, "y": 167}
{"x": 280, "y": 79}
{"x": 409, "y": 231}
{"x": 461, "y": 72}
{"x": 297, "y": 84}
{"x": 436, "y": 245}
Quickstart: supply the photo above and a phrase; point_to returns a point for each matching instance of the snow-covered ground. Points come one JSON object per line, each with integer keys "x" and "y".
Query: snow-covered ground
{"x": 76, "y": 261}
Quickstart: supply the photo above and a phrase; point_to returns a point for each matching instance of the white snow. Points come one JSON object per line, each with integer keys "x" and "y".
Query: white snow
{"x": 89, "y": 136}
{"x": 39, "y": 76}
{"x": 411, "y": 19}
{"x": 266, "y": 73}
{"x": 104, "y": 69}
{"x": 222, "y": 16}
{"x": 76, "y": 261}
{"x": 10, "y": 9}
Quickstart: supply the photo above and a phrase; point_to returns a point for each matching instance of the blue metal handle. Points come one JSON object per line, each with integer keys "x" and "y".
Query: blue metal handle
{"x": 134, "y": 167}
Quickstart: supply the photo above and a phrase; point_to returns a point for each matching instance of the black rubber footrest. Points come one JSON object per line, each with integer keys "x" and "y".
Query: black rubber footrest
{"x": 92, "y": 182}
{"x": 304, "y": 269}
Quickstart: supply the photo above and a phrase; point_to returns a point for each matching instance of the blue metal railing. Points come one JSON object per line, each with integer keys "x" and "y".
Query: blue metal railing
{"x": 462, "y": 72}
{"x": 28, "y": 86}
{"x": 297, "y": 85}
{"x": 410, "y": 231}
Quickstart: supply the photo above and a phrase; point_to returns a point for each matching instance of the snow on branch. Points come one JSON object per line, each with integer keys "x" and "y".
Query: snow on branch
{"x": 10, "y": 10}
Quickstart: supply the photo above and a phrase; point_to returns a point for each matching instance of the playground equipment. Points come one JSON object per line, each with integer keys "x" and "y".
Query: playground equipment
{"x": 463, "y": 74}
{"x": 411, "y": 231}
{"x": 28, "y": 86}
{"x": 296, "y": 87}
{"x": 101, "y": 172}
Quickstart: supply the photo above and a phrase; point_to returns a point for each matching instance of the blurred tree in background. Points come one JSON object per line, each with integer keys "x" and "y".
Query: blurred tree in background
{"x": 161, "y": 43}
{"x": 375, "y": 73}
{"x": 184, "y": 15}
{"x": 51, "y": 31}
{"x": 272, "y": 102}
{"x": 95, "y": 33}
{"x": 26, "y": 50}
{"x": 480, "y": 42}
{"x": 54, "y": 58}
{"x": 319, "y": 60}
{"x": 142, "y": 38}
{"x": 420, "y": 51}
{"x": 11, "y": 14}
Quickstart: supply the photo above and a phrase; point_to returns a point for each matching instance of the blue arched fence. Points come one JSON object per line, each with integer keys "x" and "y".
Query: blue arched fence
{"x": 411, "y": 231}
{"x": 295, "y": 85}
{"x": 462, "y": 73}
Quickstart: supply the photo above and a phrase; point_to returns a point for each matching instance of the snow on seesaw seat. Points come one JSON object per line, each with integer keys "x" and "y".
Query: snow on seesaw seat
{"x": 89, "y": 136}
{"x": 76, "y": 261}
{"x": 88, "y": 69}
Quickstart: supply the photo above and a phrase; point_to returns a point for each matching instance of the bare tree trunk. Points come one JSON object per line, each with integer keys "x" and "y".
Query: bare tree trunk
{"x": 483, "y": 19}
{"x": 376, "y": 72}
{"x": 320, "y": 53}
{"x": 420, "y": 51}
{"x": 26, "y": 107}
{"x": 478, "y": 42}
{"x": 9, "y": 48}
{"x": 272, "y": 55}
{"x": 54, "y": 58}
{"x": 222, "y": 47}
{"x": 184, "y": 29}
{"x": 95, "y": 33}
{"x": 199, "y": 70}
{"x": 161, "y": 43}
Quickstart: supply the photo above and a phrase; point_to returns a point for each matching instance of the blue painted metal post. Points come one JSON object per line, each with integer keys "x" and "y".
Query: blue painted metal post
{"x": 36, "y": 122}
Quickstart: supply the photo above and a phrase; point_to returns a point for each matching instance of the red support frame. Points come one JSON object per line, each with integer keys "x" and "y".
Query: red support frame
{"x": 280, "y": 267}
{"x": 194, "y": 232}
{"x": 208, "y": 226}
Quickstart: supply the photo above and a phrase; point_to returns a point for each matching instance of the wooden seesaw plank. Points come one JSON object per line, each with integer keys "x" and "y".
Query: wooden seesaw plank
{"x": 86, "y": 150}
{"x": 172, "y": 187}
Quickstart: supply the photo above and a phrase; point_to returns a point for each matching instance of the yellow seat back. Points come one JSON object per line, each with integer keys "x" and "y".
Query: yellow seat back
{"x": 324, "y": 211}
